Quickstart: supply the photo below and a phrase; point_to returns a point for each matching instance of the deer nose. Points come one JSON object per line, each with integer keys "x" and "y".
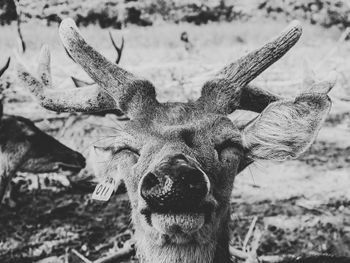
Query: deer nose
{"x": 176, "y": 186}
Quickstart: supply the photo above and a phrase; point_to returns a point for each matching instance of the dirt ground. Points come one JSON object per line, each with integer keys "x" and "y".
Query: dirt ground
{"x": 302, "y": 206}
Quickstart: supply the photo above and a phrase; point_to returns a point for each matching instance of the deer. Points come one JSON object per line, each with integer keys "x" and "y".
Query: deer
{"x": 25, "y": 148}
{"x": 179, "y": 160}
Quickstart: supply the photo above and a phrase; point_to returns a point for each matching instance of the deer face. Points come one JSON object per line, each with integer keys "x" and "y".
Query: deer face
{"x": 180, "y": 175}
{"x": 179, "y": 160}
{"x": 40, "y": 152}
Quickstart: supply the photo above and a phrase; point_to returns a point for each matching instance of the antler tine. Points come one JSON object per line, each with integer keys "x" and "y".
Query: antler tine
{"x": 80, "y": 83}
{"x": 132, "y": 95}
{"x": 118, "y": 49}
{"x": 85, "y": 99}
{"x": 224, "y": 93}
{"x": 5, "y": 67}
{"x": 253, "y": 64}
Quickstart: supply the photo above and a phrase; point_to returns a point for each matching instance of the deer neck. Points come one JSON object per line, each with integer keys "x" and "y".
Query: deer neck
{"x": 215, "y": 251}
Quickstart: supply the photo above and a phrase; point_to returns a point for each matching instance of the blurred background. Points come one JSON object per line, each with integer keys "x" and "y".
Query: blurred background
{"x": 302, "y": 206}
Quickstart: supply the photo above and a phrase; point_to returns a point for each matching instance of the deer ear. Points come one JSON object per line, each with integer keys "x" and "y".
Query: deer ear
{"x": 285, "y": 129}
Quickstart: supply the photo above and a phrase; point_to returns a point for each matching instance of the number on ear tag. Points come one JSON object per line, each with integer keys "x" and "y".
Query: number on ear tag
{"x": 104, "y": 190}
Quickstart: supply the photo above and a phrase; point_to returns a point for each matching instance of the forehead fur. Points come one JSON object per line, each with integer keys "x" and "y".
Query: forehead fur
{"x": 182, "y": 121}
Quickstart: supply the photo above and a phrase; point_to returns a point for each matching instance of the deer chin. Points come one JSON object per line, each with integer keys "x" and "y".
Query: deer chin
{"x": 193, "y": 226}
{"x": 178, "y": 227}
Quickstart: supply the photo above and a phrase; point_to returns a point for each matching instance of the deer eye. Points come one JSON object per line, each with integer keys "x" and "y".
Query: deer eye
{"x": 228, "y": 144}
{"x": 229, "y": 150}
{"x": 126, "y": 148}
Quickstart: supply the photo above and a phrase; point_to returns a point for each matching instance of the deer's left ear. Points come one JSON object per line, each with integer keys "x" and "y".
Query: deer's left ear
{"x": 285, "y": 129}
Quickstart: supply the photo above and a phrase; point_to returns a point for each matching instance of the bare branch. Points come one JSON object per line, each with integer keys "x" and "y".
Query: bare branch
{"x": 81, "y": 257}
{"x": 118, "y": 49}
{"x": 249, "y": 233}
{"x": 21, "y": 43}
{"x": 123, "y": 253}
{"x": 5, "y": 67}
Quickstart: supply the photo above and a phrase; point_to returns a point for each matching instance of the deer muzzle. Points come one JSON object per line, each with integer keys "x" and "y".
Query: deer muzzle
{"x": 175, "y": 185}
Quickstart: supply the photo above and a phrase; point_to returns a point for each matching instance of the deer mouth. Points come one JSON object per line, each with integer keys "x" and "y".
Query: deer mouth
{"x": 180, "y": 226}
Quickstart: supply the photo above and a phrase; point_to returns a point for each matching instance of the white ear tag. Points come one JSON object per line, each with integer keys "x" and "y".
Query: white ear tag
{"x": 104, "y": 190}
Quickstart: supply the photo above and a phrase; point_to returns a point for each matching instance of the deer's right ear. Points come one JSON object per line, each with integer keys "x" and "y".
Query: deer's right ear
{"x": 285, "y": 129}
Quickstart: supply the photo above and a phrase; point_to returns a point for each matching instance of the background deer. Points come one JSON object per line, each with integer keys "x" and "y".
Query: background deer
{"x": 179, "y": 160}
{"x": 25, "y": 148}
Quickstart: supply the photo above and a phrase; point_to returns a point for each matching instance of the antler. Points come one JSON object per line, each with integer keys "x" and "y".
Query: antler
{"x": 116, "y": 89}
{"x": 228, "y": 91}
{"x": 80, "y": 83}
{"x": 84, "y": 99}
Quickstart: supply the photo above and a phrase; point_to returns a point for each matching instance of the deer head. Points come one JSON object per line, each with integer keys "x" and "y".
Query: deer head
{"x": 179, "y": 160}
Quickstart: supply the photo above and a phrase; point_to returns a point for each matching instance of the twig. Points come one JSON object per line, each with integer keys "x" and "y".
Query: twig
{"x": 5, "y": 67}
{"x": 253, "y": 255}
{"x": 21, "y": 43}
{"x": 66, "y": 255}
{"x": 313, "y": 209}
{"x": 241, "y": 255}
{"x": 118, "y": 49}
{"x": 121, "y": 254}
{"x": 81, "y": 256}
{"x": 249, "y": 233}
{"x": 237, "y": 253}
